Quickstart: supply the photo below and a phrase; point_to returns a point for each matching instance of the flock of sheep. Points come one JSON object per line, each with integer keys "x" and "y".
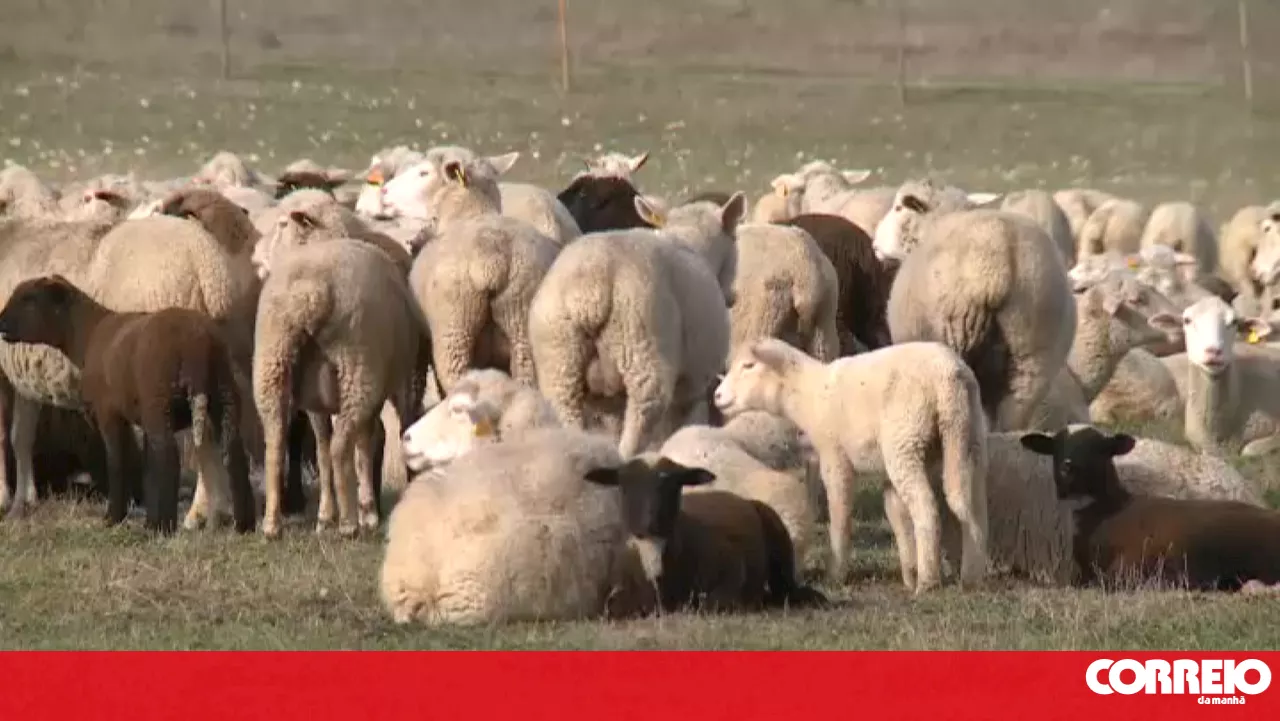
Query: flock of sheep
{"x": 613, "y": 403}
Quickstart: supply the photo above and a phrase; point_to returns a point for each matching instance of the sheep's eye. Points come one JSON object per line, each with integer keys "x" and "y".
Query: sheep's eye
{"x": 1186, "y": 321}
{"x": 423, "y": 173}
{"x": 748, "y": 365}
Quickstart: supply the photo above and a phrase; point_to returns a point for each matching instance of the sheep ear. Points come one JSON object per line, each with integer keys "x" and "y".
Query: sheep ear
{"x": 454, "y": 171}
{"x": 981, "y": 199}
{"x": 649, "y": 211}
{"x": 1122, "y": 443}
{"x": 696, "y": 477}
{"x": 602, "y": 476}
{"x": 1253, "y": 330}
{"x": 914, "y": 204}
{"x": 1037, "y": 443}
{"x": 336, "y": 177}
{"x": 853, "y": 177}
{"x": 502, "y": 163}
{"x": 482, "y": 427}
{"x": 773, "y": 354}
{"x": 302, "y": 219}
{"x": 732, "y": 212}
{"x": 638, "y": 161}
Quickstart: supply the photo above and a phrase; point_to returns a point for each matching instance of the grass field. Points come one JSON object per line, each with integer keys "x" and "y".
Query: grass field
{"x": 720, "y": 116}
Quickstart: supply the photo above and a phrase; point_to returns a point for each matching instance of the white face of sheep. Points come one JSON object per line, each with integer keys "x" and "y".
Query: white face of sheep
{"x": 410, "y": 193}
{"x": 1266, "y": 262}
{"x": 754, "y": 381}
{"x": 1210, "y": 328}
{"x": 614, "y": 165}
{"x": 1130, "y": 305}
{"x": 292, "y": 230}
{"x": 895, "y": 234}
{"x": 1165, "y": 269}
{"x": 450, "y": 430}
{"x": 1091, "y": 269}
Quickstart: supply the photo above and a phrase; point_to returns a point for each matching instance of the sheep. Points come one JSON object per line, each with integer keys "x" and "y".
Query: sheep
{"x": 1116, "y": 225}
{"x": 1141, "y": 390}
{"x": 309, "y": 216}
{"x": 485, "y": 406}
{"x": 24, "y": 195}
{"x": 784, "y": 287}
{"x": 864, "y": 207}
{"x": 782, "y": 203}
{"x": 1265, "y": 266}
{"x": 306, "y": 174}
{"x": 314, "y": 346}
{"x": 1230, "y": 397}
{"x": 1078, "y": 204}
{"x": 1157, "y": 468}
{"x": 642, "y": 315}
{"x": 226, "y": 169}
{"x": 917, "y": 205}
{"x": 711, "y": 551}
{"x": 1040, "y": 207}
{"x": 863, "y": 281}
{"x": 1112, "y": 318}
{"x": 164, "y": 371}
{"x": 474, "y": 282}
{"x": 740, "y": 472}
{"x": 539, "y": 208}
{"x": 1184, "y": 228}
{"x": 199, "y": 260}
{"x": 602, "y": 203}
{"x": 383, "y": 166}
{"x": 1123, "y": 537}
{"x": 1238, "y": 242}
{"x": 825, "y": 187}
{"x": 614, "y": 165}
{"x": 514, "y": 533}
{"x": 991, "y": 286}
{"x": 901, "y": 412}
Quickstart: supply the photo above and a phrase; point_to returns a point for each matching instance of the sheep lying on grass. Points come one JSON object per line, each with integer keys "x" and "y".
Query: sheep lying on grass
{"x": 314, "y": 346}
{"x": 163, "y": 371}
{"x": 640, "y": 315}
{"x": 1122, "y": 538}
{"x": 910, "y": 412}
{"x": 712, "y": 551}
{"x": 1232, "y": 394}
{"x": 485, "y": 406}
{"x": 516, "y": 533}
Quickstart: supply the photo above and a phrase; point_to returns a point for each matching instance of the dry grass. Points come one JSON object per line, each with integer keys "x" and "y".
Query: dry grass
{"x": 725, "y": 94}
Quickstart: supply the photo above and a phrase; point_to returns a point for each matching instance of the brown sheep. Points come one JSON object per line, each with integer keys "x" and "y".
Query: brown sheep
{"x": 714, "y": 551}
{"x": 602, "y": 203}
{"x": 863, "y": 279}
{"x": 1204, "y": 544}
{"x": 292, "y": 180}
{"x": 165, "y": 371}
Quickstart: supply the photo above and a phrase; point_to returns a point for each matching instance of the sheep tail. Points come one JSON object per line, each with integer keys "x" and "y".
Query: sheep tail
{"x": 963, "y": 430}
{"x": 781, "y": 555}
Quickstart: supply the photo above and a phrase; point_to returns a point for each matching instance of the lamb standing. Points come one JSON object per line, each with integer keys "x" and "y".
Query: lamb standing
{"x": 898, "y": 409}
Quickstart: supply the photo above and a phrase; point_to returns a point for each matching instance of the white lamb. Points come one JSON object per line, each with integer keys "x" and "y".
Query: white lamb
{"x": 512, "y": 534}
{"x": 910, "y": 412}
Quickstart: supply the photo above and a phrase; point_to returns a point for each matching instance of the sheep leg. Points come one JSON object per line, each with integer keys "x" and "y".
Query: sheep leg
{"x": 295, "y": 501}
{"x": 1260, "y": 446}
{"x": 273, "y": 431}
{"x": 912, "y": 483}
{"x": 837, "y": 479}
{"x": 322, "y": 427}
{"x": 26, "y": 414}
{"x": 903, "y": 535}
{"x": 198, "y": 513}
{"x": 342, "y": 449}
{"x": 367, "y": 492}
{"x": 164, "y": 471}
{"x": 212, "y": 478}
{"x": 8, "y": 471}
{"x": 970, "y": 511}
{"x": 116, "y": 434}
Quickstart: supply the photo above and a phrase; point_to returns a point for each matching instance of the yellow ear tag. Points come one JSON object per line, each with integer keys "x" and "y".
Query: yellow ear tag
{"x": 374, "y": 178}
{"x": 483, "y": 428}
{"x": 1132, "y": 263}
{"x": 658, "y": 219}
{"x": 785, "y": 191}
{"x": 462, "y": 176}
{"x": 1253, "y": 336}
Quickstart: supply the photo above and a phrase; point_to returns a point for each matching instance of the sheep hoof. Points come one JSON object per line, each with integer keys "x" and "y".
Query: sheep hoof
{"x": 369, "y": 519}
{"x": 323, "y": 525}
{"x": 193, "y": 522}
{"x": 348, "y": 529}
{"x": 271, "y": 528}
{"x": 924, "y": 586}
{"x": 17, "y": 512}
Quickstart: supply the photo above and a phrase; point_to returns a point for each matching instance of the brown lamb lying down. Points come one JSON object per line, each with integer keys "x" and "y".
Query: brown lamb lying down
{"x": 712, "y": 551}
{"x": 1122, "y": 538}
{"x": 165, "y": 372}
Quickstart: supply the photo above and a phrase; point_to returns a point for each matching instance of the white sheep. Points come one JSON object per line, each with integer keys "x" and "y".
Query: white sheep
{"x": 1078, "y": 204}
{"x": 512, "y": 534}
{"x": 1116, "y": 225}
{"x": 917, "y": 205}
{"x": 1040, "y": 207}
{"x": 1232, "y": 393}
{"x": 639, "y": 315}
{"x": 1265, "y": 267}
{"x": 24, "y": 195}
{"x": 784, "y": 287}
{"x": 485, "y": 406}
{"x": 782, "y": 203}
{"x": 991, "y": 286}
{"x": 1184, "y": 228}
{"x": 910, "y": 412}
{"x": 1239, "y": 241}
{"x": 1141, "y": 390}
{"x": 476, "y": 279}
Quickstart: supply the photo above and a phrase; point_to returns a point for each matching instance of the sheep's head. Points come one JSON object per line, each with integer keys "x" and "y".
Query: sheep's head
{"x": 453, "y": 428}
{"x": 756, "y": 377}
{"x": 704, "y": 228}
{"x": 292, "y": 180}
{"x": 447, "y": 186}
{"x": 1128, "y": 305}
{"x": 897, "y": 232}
{"x": 1210, "y": 328}
{"x": 225, "y": 169}
{"x": 650, "y": 489}
{"x": 40, "y": 312}
{"x": 101, "y": 204}
{"x": 614, "y": 165}
{"x": 1082, "y": 459}
{"x": 1089, "y": 270}
{"x": 1265, "y": 266}
{"x": 602, "y": 203}
{"x": 821, "y": 181}
{"x": 224, "y": 220}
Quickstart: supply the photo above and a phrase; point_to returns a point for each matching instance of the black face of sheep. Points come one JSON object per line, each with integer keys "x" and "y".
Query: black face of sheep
{"x": 1082, "y": 465}
{"x": 602, "y": 203}
{"x": 650, "y": 493}
{"x": 38, "y": 311}
{"x": 289, "y": 182}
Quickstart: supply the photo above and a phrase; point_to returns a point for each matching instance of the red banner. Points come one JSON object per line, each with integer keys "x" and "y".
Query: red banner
{"x": 643, "y": 686}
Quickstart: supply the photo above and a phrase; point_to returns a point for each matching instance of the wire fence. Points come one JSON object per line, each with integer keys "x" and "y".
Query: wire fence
{"x": 1220, "y": 43}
